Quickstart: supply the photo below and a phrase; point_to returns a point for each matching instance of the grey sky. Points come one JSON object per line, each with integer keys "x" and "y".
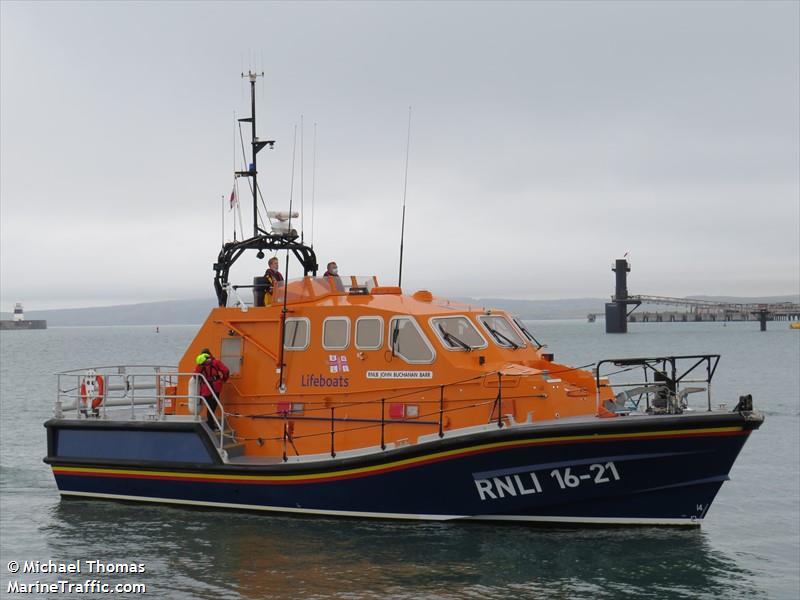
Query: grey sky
{"x": 547, "y": 140}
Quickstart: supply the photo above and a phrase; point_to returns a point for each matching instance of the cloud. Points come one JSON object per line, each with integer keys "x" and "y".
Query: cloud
{"x": 547, "y": 140}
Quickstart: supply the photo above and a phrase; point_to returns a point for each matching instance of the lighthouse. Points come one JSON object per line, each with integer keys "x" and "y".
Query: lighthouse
{"x": 19, "y": 321}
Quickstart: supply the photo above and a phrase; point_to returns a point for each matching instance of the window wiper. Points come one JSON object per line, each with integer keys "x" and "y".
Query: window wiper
{"x": 395, "y": 334}
{"x": 449, "y": 337}
{"x": 527, "y": 333}
{"x": 497, "y": 335}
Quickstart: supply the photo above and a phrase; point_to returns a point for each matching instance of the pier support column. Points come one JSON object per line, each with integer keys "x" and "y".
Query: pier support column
{"x": 616, "y": 318}
{"x": 617, "y": 309}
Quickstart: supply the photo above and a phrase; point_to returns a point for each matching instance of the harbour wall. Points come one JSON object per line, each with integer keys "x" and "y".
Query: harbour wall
{"x": 23, "y": 325}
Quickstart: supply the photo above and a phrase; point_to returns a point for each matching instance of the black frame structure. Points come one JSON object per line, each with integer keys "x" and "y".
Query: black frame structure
{"x": 261, "y": 240}
{"x": 231, "y": 252}
{"x": 665, "y": 369}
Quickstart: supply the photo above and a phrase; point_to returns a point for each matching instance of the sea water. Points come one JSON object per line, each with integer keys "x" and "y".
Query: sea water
{"x": 748, "y": 546}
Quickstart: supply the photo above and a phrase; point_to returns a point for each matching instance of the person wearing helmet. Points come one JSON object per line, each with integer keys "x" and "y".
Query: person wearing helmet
{"x": 215, "y": 373}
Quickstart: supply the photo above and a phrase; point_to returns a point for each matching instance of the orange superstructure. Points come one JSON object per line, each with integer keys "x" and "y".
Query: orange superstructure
{"x": 380, "y": 366}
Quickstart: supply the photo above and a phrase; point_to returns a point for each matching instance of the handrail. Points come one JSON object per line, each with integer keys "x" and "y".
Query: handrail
{"x": 120, "y": 392}
{"x": 669, "y": 373}
{"x": 487, "y": 403}
{"x": 250, "y": 339}
{"x": 161, "y": 380}
{"x": 372, "y": 424}
{"x": 496, "y": 404}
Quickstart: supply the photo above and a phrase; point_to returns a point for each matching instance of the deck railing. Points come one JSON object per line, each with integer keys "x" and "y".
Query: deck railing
{"x": 433, "y": 419}
{"x": 150, "y": 392}
{"x": 135, "y": 392}
{"x": 661, "y": 384}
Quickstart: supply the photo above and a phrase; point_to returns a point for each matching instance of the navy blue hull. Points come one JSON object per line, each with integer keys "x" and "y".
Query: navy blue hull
{"x": 638, "y": 470}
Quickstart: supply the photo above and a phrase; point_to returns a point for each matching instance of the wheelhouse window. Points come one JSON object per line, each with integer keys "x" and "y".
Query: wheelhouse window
{"x": 336, "y": 333}
{"x": 457, "y": 333}
{"x": 369, "y": 333}
{"x": 501, "y": 331}
{"x": 518, "y": 322}
{"x": 297, "y": 333}
{"x": 408, "y": 342}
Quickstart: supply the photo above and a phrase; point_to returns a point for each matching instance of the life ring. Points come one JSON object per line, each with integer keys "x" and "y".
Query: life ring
{"x": 92, "y": 389}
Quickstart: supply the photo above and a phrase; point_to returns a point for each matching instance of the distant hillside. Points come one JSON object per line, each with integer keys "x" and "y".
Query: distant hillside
{"x": 195, "y": 311}
{"x": 171, "y": 312}
{"x": 568, "y": 308}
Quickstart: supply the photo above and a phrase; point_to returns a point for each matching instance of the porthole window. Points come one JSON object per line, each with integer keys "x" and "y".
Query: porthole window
{"x": 457, "y": 333}
{"x": 336, "y": 333}
{"x": 369, "y": 333}
{"x": 408, "y": 342}
{"x": 297, "y": 333}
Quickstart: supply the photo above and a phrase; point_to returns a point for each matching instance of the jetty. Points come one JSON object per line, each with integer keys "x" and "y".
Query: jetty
{"x": 618, "y": 313}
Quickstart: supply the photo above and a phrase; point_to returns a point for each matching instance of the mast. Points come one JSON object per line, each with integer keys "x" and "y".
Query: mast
{"x": 262, "y": 239}
{"x": 257, "y": 145}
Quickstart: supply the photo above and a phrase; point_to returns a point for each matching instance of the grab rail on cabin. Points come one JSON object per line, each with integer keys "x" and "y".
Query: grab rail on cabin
{"x": 677, "y": 399}
{"x": 663, "y": 387}
{"x": 149, "y": 392}
{"x": 287, "y": 439}
{"x": 493, "y": 403}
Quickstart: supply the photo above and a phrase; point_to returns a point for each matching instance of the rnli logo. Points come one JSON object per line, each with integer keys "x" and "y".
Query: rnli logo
{"x": 338, "y": 364}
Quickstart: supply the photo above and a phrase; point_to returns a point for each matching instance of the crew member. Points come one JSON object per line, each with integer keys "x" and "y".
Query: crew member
{"x": 332, "y": 270}
{"x": 272, "y": 276}
{"x": 215, "y": 373}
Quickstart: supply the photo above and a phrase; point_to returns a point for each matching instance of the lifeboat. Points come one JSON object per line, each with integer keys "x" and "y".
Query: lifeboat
{"x": 347, "y": 397}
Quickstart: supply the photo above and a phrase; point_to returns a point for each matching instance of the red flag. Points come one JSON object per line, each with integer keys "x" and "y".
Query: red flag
{"x": 233, "y": 199}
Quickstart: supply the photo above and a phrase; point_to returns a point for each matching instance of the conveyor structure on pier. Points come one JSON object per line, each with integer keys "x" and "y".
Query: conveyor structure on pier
{"x": 618, "y": 313}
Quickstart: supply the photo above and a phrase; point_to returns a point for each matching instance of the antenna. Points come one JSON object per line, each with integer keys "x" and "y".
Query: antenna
{"x": 235, "y": 183}
{"x": 313, "y": 182}
{"x": 405, "y": 188}
{"x": 281, "y": 384}
{"x": 291, "y": 180}
{"x": 257, "y": 145}
{"x": 302, "y": 179}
